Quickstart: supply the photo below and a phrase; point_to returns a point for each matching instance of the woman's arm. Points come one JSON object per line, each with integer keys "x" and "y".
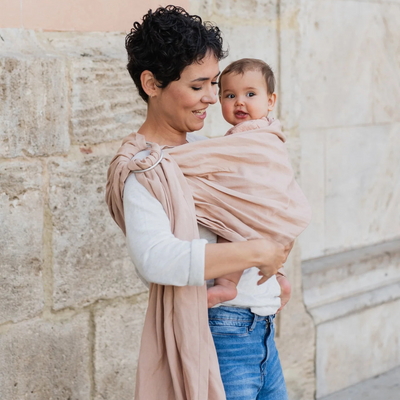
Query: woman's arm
{"x": 225, "y": 258}
{"x": 158, "y": 255}
{"x": 162, "y": 258}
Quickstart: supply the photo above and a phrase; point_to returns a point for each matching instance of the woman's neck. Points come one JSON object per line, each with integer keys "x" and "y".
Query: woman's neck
{"x": 155, "y": 131}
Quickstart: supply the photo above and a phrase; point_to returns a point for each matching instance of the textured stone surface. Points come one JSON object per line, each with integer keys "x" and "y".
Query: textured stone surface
{"x": 357, "y": 347}
{"x": 385, "y": 386}
{"x": 90, "y": 256}
{"x": 118, "y": 332}
{"x": 21, "y": 227}
{"x": 313, "y": 183}
{"x": 105, "y": 104}
{"x": 350, "y": 176}
{"x": 349, "y": 72}
{"x": 262, "y": 10}
{"x": 33, "y": 105}
{"x": 46, "y": 360}
{"x": 362, "y": 186}
{"x": 290, "y": 90}
{"x": 339, "y": 276}
{"x": 296, "y": 337}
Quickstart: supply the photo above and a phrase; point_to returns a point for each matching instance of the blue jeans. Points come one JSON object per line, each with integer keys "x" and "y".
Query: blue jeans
{"x": 247, "y": 355}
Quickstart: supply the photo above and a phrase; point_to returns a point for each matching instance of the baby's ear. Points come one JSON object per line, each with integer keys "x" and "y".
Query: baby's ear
{"x": 271, "y": 101}
{"x": 219, "y": 98}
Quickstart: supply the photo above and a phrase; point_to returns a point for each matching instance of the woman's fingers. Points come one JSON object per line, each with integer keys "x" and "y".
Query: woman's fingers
{"x": 262, "y": 280}
{"x": 288, "y": 249}
{"x": 271, "y": 258}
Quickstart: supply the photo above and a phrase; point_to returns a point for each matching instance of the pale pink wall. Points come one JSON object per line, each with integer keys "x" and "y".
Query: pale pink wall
{"x": 76, "y": 15}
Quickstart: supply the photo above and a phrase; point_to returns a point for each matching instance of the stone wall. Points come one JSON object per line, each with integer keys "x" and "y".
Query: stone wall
{"x": 72, "y": 306}
{"x": 348, "y": 75}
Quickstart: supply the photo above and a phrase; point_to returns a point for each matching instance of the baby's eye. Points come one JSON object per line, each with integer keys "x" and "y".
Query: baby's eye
{"x": 251, "y": 94}
{"x": 230, "y": 96}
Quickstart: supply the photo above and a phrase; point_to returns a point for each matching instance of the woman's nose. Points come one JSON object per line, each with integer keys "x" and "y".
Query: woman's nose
{"x": 211, "y": 96}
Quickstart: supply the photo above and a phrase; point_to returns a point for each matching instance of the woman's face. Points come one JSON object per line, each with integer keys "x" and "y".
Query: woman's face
{"x": 182, "y": 104}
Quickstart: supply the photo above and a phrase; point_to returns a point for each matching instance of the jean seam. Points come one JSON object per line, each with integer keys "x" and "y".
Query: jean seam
{"x": 253, "y": 324}
{"x": 230, "y": 319}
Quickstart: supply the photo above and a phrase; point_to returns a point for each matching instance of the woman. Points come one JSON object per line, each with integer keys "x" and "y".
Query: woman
{"x": 173, "y": 60}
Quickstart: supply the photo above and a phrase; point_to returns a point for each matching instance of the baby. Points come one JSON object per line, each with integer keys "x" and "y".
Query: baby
{"x": 246, "y": 92}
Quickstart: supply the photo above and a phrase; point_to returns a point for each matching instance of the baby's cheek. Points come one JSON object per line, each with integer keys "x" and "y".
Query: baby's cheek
{"x": 226, "y": 109}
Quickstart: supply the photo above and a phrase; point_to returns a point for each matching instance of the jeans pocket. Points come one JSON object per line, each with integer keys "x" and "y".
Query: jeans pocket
{"x": 224, "y": 328}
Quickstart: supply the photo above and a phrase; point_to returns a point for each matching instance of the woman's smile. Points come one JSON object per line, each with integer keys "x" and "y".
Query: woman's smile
{"x": 200, "y": 113}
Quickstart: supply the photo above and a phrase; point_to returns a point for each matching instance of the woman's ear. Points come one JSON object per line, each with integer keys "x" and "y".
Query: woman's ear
{"x": 149, "y": 83}
{"x": 271, "y": 101}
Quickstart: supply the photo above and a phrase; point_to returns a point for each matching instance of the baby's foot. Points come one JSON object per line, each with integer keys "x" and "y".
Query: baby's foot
{"x": 220, "y": 293}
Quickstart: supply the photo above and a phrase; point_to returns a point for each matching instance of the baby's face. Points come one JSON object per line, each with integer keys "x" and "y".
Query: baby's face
{"x": 245, "y": 97}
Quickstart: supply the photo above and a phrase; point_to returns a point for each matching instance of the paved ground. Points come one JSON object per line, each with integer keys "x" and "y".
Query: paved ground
{"x": 382, "y": 387}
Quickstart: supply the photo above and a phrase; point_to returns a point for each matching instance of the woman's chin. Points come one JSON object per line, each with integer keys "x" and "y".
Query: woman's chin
{"x": 196, "y": 126}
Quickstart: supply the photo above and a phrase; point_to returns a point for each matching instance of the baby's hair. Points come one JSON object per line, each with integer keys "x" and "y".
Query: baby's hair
{"x": 250, "y": 64}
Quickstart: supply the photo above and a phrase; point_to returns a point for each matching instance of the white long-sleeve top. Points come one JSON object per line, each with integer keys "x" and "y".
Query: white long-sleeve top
{"x": 160, "y": 257}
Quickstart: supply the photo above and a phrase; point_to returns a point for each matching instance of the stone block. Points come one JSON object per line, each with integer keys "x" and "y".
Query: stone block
{"x": 33, "y": 105}
{"x": 362, "y": 186}
{"x": 46, "y": 360}
{"x": 21, "y": 228}
{"x": 312, "y": 171}
{"x": 265, "y": 47}
{"x": 295, "y": 336}
{"x": 105, "y": 104}
{"x": 291, "y": 94}
{"x": 118, "y": 333}
{"x": 348, "y": 282}
{"x": 204, "y": 8}
{"x": 349, "y": 75}
{"x": 89, "y": 251}
{"x": 385, "y": 386}
{"x": 254, "y": 10}
{"x": 357, "y": 347}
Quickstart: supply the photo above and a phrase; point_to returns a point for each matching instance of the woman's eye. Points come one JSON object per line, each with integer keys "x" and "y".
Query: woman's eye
{"x": 196, "y": 88}
{"x": 214, "y": 83}
{"x": 250, "y": 94}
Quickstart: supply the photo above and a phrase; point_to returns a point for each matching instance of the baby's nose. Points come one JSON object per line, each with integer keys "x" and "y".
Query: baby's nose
{"x": 239, "y": 101}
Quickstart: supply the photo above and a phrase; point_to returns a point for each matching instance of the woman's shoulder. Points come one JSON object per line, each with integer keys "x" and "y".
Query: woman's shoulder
{"x": 195, "y": 137}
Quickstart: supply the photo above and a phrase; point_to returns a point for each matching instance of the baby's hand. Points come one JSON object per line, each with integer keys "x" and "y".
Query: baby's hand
{"x": 286, "y": 290}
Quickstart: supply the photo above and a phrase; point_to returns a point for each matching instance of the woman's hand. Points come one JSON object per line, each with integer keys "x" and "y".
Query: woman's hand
{"x": 286, "y": 251}
{"x": 271, "y": 257}
{"x": 286, "y": 290}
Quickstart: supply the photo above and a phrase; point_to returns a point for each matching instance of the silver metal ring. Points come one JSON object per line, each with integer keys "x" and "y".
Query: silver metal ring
{"x": 138, "y": 171}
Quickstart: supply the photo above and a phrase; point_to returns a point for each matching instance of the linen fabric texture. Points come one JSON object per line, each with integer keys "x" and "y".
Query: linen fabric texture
{"x": 241, "y": 187}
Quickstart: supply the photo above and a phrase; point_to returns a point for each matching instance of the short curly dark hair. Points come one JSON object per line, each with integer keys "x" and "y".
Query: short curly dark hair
{"x": 167, "y": 41}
